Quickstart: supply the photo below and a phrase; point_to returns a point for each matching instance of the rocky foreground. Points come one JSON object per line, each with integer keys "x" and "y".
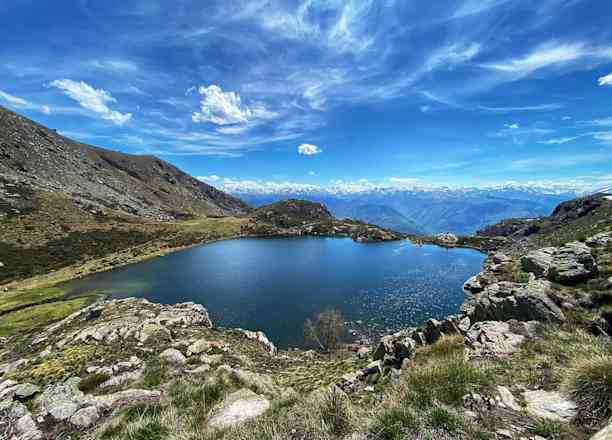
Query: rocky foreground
{"x": 528, "y": 357}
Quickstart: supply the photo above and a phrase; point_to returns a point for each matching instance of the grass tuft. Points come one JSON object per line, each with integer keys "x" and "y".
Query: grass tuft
{"x": 92, "y": 381}
{"x": 589, "y": 381}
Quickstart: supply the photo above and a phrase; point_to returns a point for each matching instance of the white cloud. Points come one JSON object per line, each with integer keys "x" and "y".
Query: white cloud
{"x": 312, "y": 173}
{"x": 210, "y": 179}
{"x": 526, "y": 108}
{"x": 424, "y": 108}
{"x": 513, "y": 126}
{"x": 520, "y": 135}
{"x": 604, "y": 122}
{"x": 309, "y": 149}
{"x": 21, "y": 103}
{"x": 404, "y": 180}
{"x": 115, "y": 65}
{"x": 605, "y": 80}
{"x": 546, "y": 55}
{"x": 92, "y": 99}
{"x": 15, "y": 100}
{"x": 226, "y": 108}
{"x": 566, "y": 118}
{"x": 559, "y": 141}
{"x": 605, "y": 136}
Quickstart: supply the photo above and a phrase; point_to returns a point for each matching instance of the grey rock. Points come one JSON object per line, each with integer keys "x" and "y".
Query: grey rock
{"x": 25, "y": 390}
{"x": 500, "y": 258}
{"x": 173, "y": 356}
{"x": 85, "y": 417}
{"x": 433, "y": 330}
{"x": 505, "y": 300}
{"x": 507, "y": 399}
{"x": 198, "y": 347}
{"x": 61, "y": 400}
{"x": 154, "y": 331}
{"x": 492, "y": 339}
{"x": 363, "y": 352}
{"x": 572, "y": 263}
{"x": 538, "y": 262}
{"x": 473, "y": 284}
{"x": 199, "y": 370}
{"x": 551, "y": 405}
{"x": 10, "y": 367}
{"x": 393, "y": 349}
{"x": 237, "y": 408}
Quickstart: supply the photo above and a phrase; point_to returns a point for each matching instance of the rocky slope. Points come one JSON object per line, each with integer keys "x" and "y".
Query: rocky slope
{"x": 102, "y": 180}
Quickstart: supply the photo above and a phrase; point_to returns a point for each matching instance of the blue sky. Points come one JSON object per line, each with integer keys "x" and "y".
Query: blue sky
{"x": 325, "y": 92}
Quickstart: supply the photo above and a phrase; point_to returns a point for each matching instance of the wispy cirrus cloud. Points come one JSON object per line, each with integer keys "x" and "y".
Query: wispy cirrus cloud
{"x": 559, "y": 141}
{"x": 21, "y": 103}
{"x": 605, "y": 80}
{"x": 95, "y": 100}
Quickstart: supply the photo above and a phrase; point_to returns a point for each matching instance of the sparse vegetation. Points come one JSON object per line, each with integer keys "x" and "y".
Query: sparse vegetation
{"x": 91, "y": 382}
{"x": 589, "y": 380}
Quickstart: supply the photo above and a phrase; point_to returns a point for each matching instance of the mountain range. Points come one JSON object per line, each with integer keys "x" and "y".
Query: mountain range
{"x": 428, "y": 210}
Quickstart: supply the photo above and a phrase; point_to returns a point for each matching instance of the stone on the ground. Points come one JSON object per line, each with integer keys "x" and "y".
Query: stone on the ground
{"x": 154, "y": 331}
{"x": 18, "y": 417}
{"x": 198, "y": 347}
{"x": 61, "y": 400}
{"x": 538, "y": 261}
{"x": 363, "y": 352}
{"x": 199, "y": 370}
{"x": 173, "y": 356}
{"x": 550, "y": 405}
{"x": 393, "y": 349}
{"x": 10, "y": 367}
{"x": 239, "y": 407}
{"x": 506, "y": 398}
{"x": 601, "y": 239}
{"x": 492, "y": 339}
{"x": 85, "y": 417}
{"x": 25, "y": 390}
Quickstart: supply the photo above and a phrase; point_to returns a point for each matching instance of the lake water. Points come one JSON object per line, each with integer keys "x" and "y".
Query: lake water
{"x": 274, "y": 285}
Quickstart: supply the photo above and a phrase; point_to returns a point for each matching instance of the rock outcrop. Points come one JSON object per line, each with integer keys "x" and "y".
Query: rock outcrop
{"x": 567, "y": 265}
{"x": 505, "y": 300}
{"x": 237, "y": 408}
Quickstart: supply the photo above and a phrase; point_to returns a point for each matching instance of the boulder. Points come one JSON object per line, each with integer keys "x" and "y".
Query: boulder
{"x": 238, "y": 408}
{"x": 25, "y": 390}
{"x": 500, "y": 258}
{"x": 173, "y": 356}
{"x": 538, "y": 262}
{"x": 85, "y": 417}
{"x": 61, "y": 400}
{"x": 393, "y": 349}
{"x": 20, "y": 420}
{"x": 550, "y": 405}
{"x": 8, "y": 368}
{"x": 505, "y": 398}
{"x": 198, "y": 347}
{"x": 521, "y": 301}
{"x": 572, "y": 264}
{"x": 153, "y": 331}
{"x": 473, "y": 285}
{"x": 433, "y": 330}
{"x": 115, "y": 401}
{"x": 492, "y": 339}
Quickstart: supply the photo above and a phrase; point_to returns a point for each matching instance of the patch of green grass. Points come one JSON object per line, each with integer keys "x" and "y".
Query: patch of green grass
{"x": 441, "y": 418}
{"x": 154, "y": 373}
{"x": 141, "y": 410}
{"x": 92, "y": 381}
{"x": 335, "y": 409}
{"x": 394, "y": 424}
{"x": 37, "y": 317}
{"x": 547, "y": 429}
{"x": 446, "y": 382}
{"x": 12, "y": 300}
{"x": 589, "y": 380}
{"x": 151, "y": 430}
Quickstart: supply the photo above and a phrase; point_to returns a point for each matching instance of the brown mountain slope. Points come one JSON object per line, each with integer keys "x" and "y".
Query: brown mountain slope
{"x": 144, "y": 186}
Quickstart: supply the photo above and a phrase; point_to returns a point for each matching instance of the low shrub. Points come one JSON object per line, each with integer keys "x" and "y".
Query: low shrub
{"x": 394, "y": 424}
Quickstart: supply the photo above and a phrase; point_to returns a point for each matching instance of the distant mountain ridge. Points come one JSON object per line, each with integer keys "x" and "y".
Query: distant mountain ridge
{"x": 429, "y": 210}
{"x": 144, "y": 186}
